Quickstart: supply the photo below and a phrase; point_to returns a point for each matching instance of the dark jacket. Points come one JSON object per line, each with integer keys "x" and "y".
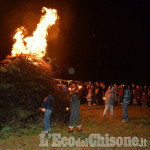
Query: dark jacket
{"x": 75, "y": 105}
{"x": 126, "y": 96}
{"x": 48, "y": 102}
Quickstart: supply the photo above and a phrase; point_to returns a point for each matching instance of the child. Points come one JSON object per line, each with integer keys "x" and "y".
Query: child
{"x": 75, "y": 112}
{"x": 47, "y": 108}
{"x": 89, "y": 98}
{"x": 144, "y": 99}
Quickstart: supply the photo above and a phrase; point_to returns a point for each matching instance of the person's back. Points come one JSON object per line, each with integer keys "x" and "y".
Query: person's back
{"x": 109, "y": 97}
{"x": 75, "y": 112}
{"x": 126, "y": 100}
{"x": 109, "y": 100}
{"x": 75, "y": 104}
{"x": 126, "y": 96}
{"x": 89, "y": 97}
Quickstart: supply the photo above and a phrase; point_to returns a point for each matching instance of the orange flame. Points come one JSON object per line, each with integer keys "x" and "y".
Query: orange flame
{"x": 36, "y": 44}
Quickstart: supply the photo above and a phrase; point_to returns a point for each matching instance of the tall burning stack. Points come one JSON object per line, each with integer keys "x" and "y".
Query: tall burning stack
{"x": 25, "y": 78}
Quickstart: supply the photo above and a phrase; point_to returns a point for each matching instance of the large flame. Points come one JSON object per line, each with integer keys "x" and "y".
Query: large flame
{"x": 36, "y": 44}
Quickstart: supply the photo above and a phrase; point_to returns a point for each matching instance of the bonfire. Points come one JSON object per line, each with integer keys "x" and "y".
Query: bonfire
{"x": 25, "y": 78}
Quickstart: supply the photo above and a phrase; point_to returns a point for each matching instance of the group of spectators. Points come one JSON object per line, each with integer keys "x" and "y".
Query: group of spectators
{"x": 95, "y": 92}
{"x": 139, "y": 95}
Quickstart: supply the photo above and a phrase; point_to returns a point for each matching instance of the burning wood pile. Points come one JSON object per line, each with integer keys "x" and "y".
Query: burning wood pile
{"x": 25, "y": 78}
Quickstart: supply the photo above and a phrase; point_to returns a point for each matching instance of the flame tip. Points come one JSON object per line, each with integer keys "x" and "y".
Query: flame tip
{"x": 36, "y": 44}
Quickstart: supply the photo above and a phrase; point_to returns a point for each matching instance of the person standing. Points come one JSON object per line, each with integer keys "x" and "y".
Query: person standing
{"x": 75, "y": 112}
{"x": 133, "y": 97}
{"x": 120, "y": 90}
{"x": 125, "y": 102}
{"x": 138, "y": 94}
{"x": 109, "y": 101}
{"x": 47, "y": 108}
{"x": 144, "y": 99}
{"x": 89, "y": 98}
{"x": 95, "y": 93}
{"x": 115, "y": 94}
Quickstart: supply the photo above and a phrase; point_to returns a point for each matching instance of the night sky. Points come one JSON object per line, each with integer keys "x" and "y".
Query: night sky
{"x": 102, "y": 40}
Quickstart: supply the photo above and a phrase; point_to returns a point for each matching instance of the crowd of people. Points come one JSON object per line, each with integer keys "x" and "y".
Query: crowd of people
{"x": 94, "y": 93}
{"x": 98, "y": 94}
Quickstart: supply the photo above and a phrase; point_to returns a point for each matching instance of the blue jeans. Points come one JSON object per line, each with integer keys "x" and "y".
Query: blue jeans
{"x": 47, "y": 115}
{"x": 106, "y": 109}
{"x": 125, "y": 111}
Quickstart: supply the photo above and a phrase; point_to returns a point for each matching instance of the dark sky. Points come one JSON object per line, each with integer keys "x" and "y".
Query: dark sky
{"x": 102, "y": 39}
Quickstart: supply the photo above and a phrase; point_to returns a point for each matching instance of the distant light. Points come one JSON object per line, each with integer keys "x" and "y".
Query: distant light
{"x": 80, "y": 86}
{"x": 104, "y": 98}
{"x": 67, "y": 108}
{"x": 41, "y": 109}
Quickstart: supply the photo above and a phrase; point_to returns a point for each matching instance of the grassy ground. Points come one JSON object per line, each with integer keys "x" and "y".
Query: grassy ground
{"x": 92, "y": 122}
